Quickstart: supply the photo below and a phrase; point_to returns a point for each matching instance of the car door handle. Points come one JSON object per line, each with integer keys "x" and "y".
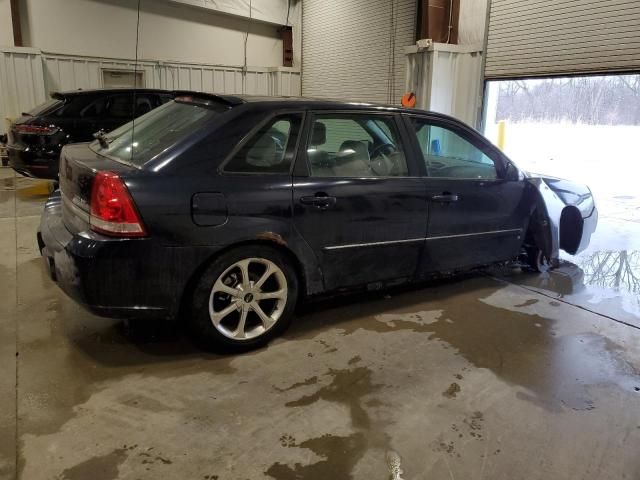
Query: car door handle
{"x": 445, "y": 197}
{"x": 320, "y": 201}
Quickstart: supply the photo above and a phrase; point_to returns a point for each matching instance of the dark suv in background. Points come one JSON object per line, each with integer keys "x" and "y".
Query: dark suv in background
{"x": 35, "y": 139}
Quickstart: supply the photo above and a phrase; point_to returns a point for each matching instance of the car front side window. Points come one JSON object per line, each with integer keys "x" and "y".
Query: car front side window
{"x": 358, "y": 145}
{"x": 270, "y": 149}
{"x": 448, "y": 155}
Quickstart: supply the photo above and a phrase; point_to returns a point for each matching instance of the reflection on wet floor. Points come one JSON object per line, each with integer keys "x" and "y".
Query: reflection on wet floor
{"x": 617, "y": 270}
{"x": 496, "y": 374}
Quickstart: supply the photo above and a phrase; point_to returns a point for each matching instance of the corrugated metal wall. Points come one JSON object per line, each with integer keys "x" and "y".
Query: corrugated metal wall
{"x": 21, "y": 82}
{"x": 355, "y": 49}
{"x": 28, "y": 75}
{"x": 559, "y": 37}
{"x": 447, "y": 79}
{"x": 65, "y": 72}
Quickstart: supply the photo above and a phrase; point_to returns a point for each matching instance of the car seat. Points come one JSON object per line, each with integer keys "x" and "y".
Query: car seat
{"x": 143, "y": 105}
{"x": 318, "y": 158}
{"x": 353, "y": 159}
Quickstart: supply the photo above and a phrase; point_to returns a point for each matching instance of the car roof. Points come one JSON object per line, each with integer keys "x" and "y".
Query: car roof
{"x": 334, "y": 104}
{"x": 93, "y": 91}
{"x": 275, "y": 102}
{"x": 315, "y": 102}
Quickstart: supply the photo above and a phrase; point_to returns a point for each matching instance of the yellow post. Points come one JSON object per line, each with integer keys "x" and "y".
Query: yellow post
{"x": 502, "y": 130}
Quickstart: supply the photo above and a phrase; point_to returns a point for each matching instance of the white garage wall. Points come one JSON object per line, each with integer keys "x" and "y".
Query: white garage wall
{"x": 68, "y": 72}
{"x": 21, "y": 82}
{"x": 27, "y": 76}
{"x": 350, "y": 51}
{"x": 168, "y": 31}
{"x": 181, "y": 47}
{"x": 473, "y": 17}
{"x": 6, "y": 28}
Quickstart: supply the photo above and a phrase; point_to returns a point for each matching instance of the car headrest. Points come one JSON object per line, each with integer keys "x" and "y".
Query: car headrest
{"x": 354, "y": 149}
{"x": 319, "y": 134}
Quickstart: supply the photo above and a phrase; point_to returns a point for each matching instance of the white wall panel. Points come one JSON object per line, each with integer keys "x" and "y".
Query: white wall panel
{"x": 355, "y": 49}
{"x": 27, "y": 76}
{"x": 65, "y": 72}
{"x": 21, "y": 82}
{"x": 446, "y": 79}
{"x": 270, "y": 11}
{"x": 473, "y": 17}
{"x": 559, "y": 37}
{"x": 168, "y": 31}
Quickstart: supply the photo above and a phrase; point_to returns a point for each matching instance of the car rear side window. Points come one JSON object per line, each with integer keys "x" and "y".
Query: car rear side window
{"x": 120, "y": 106}
{"x": 75, "y": 105}
{"x": 271, "y": 149}
{"x": 447, "y": 154}
{"x": 358, "y": 145}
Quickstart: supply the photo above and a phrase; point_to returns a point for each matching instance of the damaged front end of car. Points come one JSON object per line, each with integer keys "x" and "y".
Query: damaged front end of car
{"x": 564, "y": 218}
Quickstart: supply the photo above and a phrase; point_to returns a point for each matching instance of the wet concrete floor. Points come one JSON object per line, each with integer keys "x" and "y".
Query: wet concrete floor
{"x": 502, "y": 374}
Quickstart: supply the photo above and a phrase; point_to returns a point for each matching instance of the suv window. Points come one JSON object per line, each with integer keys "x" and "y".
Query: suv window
{"x": 447, "y": 154}
{"x": 45, "y": 107}
{"x": 358, "y": 145}
{"x": 94, "y": 109}
{"x": 74, "y": 105}
{"x": 117, "y": 106}
{"x": 271, "y": 149}
{"x": 120, "y": 106}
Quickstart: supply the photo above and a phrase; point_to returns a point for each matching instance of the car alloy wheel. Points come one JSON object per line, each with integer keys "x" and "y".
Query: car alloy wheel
{"x": 248, "y": 299}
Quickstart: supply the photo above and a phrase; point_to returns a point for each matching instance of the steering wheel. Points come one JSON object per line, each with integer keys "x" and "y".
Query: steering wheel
{"x": 380, "y": 162}
{"x": 380, "y": 150}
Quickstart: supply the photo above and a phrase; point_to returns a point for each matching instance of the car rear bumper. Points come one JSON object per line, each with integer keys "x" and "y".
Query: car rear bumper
{"x": 130, "y": 278}
{"x": 32, "y": 163}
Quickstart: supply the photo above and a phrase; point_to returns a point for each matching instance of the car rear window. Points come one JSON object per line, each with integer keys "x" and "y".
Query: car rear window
{"x": 45, "y": 107}
{"x": 138, "y": 142}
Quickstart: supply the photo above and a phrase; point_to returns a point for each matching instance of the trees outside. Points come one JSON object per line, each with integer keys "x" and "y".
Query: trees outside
{"x": 592, "y": 100}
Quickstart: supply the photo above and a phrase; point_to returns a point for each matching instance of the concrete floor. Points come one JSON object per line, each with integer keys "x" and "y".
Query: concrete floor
{"x": 499, "y": 375}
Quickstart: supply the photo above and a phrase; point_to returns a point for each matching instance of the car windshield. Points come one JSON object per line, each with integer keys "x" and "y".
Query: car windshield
{"x": 138, "y": 142}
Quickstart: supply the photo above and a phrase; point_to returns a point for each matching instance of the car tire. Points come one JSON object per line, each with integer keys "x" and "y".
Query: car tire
{"x": 232, "y": 312}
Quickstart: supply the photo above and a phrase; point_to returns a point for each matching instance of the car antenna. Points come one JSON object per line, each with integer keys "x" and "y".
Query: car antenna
{"x": 135, "y": 85}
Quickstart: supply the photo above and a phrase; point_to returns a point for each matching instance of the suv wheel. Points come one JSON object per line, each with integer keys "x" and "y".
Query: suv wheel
{"x": 245, "y": 298}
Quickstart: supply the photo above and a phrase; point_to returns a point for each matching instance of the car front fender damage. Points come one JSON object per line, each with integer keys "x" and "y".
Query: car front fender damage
{"x": 565, "y": 216}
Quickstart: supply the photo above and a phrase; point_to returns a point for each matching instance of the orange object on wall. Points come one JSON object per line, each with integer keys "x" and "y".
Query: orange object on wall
{"x": 408, "y": 100}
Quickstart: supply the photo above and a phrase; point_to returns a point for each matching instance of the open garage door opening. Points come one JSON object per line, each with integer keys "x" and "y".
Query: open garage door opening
{"x": 585, "y": 128}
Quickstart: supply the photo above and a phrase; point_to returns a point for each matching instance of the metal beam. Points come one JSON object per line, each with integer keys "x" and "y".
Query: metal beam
{"x": 15, "y": 21}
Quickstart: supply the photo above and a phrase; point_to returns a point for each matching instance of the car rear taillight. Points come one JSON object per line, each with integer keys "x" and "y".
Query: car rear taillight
{"x": 112, "y": 209}
{"x": 27, "y": 129}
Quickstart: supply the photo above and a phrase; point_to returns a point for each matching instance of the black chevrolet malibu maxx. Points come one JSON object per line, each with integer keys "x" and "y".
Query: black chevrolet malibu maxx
{"x": 231, "y": 209}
